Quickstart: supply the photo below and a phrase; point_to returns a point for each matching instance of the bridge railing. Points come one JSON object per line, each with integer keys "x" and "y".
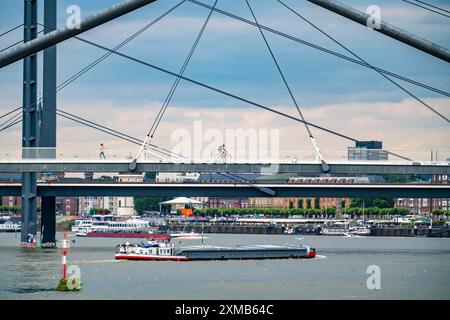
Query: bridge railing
{"x": 208, "y": 156}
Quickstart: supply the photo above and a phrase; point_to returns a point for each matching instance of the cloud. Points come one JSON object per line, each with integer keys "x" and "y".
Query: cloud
{"x": 232, "y": 56}
{"x": 402, "y": 126}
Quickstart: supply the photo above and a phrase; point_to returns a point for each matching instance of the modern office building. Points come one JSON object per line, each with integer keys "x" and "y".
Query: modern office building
{"x": 367, "y": 150}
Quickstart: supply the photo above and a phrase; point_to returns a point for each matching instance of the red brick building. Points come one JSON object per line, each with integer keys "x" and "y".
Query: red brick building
{"x": 426, "y": 205}
{"x": 228, "y": 203}
{"x": 67, "y": 206}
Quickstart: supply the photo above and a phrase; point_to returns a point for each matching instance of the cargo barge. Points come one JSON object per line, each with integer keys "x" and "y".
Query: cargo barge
{"x": 167, "y": 252}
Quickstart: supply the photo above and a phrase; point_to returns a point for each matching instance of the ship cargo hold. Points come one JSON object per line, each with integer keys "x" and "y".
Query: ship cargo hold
{"x": 167, "y": 252}
{"x": 247, "y": 252}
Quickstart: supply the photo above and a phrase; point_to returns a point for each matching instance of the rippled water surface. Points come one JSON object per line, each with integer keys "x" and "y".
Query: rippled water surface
{"x": 411, "y": 268}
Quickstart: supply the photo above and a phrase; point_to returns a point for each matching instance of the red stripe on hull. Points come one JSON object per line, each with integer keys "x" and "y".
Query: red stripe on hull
{"x": 152, "y": 258}
{"x": 128, "y": 235}
{"x": 189, "y": 236}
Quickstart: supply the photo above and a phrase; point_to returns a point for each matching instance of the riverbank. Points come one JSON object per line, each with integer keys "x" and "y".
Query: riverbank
{"x": 239, "y": 228}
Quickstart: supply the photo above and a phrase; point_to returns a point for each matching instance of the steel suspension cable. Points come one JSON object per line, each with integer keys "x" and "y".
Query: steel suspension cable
{"x": 317, "y": 47}
{"x": 10, "y": 112}
{"x": 432, "y": 6}
{"x": 16, "y": 43}
{"x": 10, "y": 30}
{"x": 11, "y": 125}
{"x": 215, "y": 89}
{"x": 279, "y": 69}
{"x": 114, "y": 133}
{"x": 362, "y": 60}
{"x": 106, "y": 55}
{"x": 92, "y": 65}
{"x": 221, "y": 91}
{"x": 231, "y": 95}
{"x": 174, "y": 87}
{"x": 13, "y": 118}
{"x": 294, "y": 100}
{"x": 84, "y": 121}
{"x": 425, "y": 8}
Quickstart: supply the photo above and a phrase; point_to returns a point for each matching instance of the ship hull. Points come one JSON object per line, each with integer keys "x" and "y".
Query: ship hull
{"x": 150, "y": 257}
{"x": 151, "y": 236}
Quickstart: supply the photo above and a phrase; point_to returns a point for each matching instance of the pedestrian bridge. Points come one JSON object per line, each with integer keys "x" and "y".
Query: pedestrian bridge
{"x": 304, "y": 167}
{"x": 233, "y": 190}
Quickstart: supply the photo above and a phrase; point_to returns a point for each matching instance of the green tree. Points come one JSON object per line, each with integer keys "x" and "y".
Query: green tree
{"x": 316, "y": 203}
{"x": 142, "y": 204}
{"x": 308, "y": 203}
{"x": 93, "y": 211}
{"x": 372, "y": 202}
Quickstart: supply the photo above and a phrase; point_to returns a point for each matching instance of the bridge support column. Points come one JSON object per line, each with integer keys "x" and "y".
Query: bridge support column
{"x": 47, "y": 128}
{"x": 29, "y": 125}
{"x": 48, "y": 222}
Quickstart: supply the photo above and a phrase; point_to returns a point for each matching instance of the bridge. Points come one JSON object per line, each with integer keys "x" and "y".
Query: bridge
{"x": 38, "y": 118}
{"x": 233, "y": 190}
{"x": 312, "y": 167}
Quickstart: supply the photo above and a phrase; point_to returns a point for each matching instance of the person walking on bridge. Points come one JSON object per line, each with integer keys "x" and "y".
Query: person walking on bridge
{"x": 223, "y": 153}
{"x": 102, "y": 151}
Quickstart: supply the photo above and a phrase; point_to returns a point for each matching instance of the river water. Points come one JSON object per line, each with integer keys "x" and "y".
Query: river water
{"x": 410, "y": 268}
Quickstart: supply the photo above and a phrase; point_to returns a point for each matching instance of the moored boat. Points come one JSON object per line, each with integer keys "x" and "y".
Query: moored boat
{"x": 81, "y": 224}
{"x": 362, "y": 231}
{"x": 6, "y": 225}
{"x": 119, "y": 227}
{"x": 186, "y": 235}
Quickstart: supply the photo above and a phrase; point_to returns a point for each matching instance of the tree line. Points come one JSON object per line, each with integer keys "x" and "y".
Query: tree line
{"x": 299, "y": 212}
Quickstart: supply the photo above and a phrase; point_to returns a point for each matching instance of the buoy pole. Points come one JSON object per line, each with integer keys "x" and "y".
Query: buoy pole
{"x": 63, "y": 285}
{"x": 65, "y": 248}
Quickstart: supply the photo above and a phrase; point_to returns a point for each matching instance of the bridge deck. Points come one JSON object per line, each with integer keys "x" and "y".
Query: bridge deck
{"x": 343, "y": 168}
{"x": 233, "y": 190}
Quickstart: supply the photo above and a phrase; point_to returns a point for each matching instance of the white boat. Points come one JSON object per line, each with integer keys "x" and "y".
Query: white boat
{"x": 186, "y": 235}
{"x": 335, "y": 228}
{"x": 120, "y": 227}
{"x": 360, "y": 231}
{"x": 350, "y": 235}
{"x": 9, "y": 226}
{"x": 81, "y": 224}
{"x": 345, "y": 229}
{"x": 109, "y": 223}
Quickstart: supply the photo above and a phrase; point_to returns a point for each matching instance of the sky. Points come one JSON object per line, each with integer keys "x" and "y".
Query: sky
{"x": 232, "y": 56}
